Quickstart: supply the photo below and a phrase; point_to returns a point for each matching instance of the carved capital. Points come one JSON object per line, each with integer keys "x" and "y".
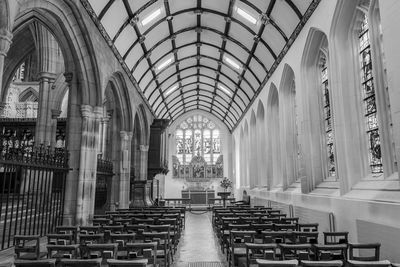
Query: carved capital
{"x": 47, "y": 76}
{"x": 55, "y": 113}
{"x": 98, "y": 112}
{"x": 87, "y": 111}
{"x": 144, "y": 148}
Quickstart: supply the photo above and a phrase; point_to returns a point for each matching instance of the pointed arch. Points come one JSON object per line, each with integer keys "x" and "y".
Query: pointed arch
{"x": 289, "y": 133}
{"x": 261, "y": 144}
{"x": 29, "y": 94}
{"x": 253, "y": 166}
{"x": 274, "y": 149}
{"x": 316, "y": 99}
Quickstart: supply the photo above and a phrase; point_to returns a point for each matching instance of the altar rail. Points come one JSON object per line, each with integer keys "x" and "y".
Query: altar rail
{"x": 177, "y": 202}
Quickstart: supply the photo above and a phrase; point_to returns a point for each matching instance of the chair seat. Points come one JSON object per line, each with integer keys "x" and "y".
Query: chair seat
{"x": 383, "y": 263}
{"x": 336, "y": 263}
{"x": 32, "y": 256}
{"x": 268, "y": 263}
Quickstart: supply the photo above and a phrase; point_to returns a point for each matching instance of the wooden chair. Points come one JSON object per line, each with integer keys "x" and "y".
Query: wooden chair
{"x": 60, "y": 239}
{"x": 355, "y": 263}
{"x": 105, "y": 251}
{"x": 259, "y": 251}
{"x": 80, "y": 263}
{"x": 277, "y": 237}
{"x": 64, "y": 229}
{"x": 38, "y": 263}
{"x": 62, "y": 251}
{"x": 307, "y": 227}
{"x": 84, "y": 240}
{"x": 237, "y": 245}
{"x": 331, "y": 238}
{"x": 306, "y": 237}
{"x": 90, "y": 229}
{"x": 122, "y": 240}
{"x": 375, "y": 247}
{"x": 268, "y": 263}
{"x": 27, "y": 247}
{"x": 143, "y": 251}
{"x": 163, "y": 246}
{"x": 130, "y": 263}
{"x": 297, "y": 251}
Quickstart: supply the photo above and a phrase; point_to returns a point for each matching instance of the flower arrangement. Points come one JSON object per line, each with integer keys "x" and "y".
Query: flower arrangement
{"x": 226, "y": 183}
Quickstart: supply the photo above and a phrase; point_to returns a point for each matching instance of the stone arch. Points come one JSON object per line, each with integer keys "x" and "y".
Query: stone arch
{"x": 253, "y": 166}
{"x": 288, "y": 119}
{"x": 29, "y": 94}
{"x": 261, "y": 143}
{"x": 241, "y": 158}
{"x": 316, "y": 48}
{"x": 274, "y": 150}
{"x": 246, "y": 152}
{"x": 73, "y": 38}
{"x": 352, "y": 141}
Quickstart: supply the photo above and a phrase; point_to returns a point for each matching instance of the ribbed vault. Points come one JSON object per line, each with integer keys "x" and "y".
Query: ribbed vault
{"x": 200, "y": 54}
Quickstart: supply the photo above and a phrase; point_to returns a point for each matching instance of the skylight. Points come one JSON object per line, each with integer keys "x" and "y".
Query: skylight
{"x": 164, "y": 64}
{"x": 246, "y": 15}
{"x": 151, "y": 17}
{"x": 225, "y": 90}
{"x": 173, "y": 88}
{"x": 232, "y": 63}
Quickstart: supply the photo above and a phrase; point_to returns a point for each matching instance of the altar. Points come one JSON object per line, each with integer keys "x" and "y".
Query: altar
{"x": 198, "y": 196}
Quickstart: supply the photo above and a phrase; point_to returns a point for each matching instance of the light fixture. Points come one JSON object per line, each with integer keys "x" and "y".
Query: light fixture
{"x": 246, "y": 15}
{"x": 152, "y": 16}
{"x": 224, "y": 90}
{"x": 232, "y": 63}
{"x": 164, "y": 64}
{"x": 173, "y": 88}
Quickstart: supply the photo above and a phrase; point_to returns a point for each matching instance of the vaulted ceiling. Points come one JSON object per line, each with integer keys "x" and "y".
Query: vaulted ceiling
{"x": 213, "y": 55}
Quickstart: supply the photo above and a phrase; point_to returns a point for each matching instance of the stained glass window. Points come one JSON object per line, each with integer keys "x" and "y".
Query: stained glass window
{"x": 198, "y": 136}
{"x": 329, "y": 136}
{"x": 369, "y": 100}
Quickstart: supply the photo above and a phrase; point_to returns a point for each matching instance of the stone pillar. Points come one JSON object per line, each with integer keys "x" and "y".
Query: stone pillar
{"x": 43, "y": 122}
{"x": 104, "y": 130}
{"x": 88, "y": 164}
{"x": 73, "y": 144}
{"x": 125, "y": 169}
{"x": 144, "y": 153}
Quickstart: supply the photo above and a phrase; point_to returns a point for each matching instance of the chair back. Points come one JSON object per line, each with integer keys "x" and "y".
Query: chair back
{"x": 38, "y": 263}
{"x": 269, "y": 263}
{"x": 373, "y": 248}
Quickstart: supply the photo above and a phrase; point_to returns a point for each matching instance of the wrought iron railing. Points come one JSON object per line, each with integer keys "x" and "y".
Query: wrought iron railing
{"x": 32, "y": 185}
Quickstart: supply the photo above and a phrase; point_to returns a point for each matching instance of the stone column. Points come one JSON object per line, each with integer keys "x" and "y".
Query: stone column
{"x": 5, "y": 42}
{"x": 73, "y": 144}
{"x": 88, "y": 164}
{"x": 125, "y": 169}
{"x": 104, "y": 129}
{"x": 144, "y": 153}
{"x": 43, "y": 122}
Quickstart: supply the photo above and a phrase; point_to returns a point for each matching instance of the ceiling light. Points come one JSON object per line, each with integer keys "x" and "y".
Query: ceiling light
{"x": 164, "y": 64}
{"x": 232, "y": 63}
{"x": 225, "y": 90}
{"x": 173, "y": 88}
{"x": 152, "y": 16}
{"x": 246, "y": 15}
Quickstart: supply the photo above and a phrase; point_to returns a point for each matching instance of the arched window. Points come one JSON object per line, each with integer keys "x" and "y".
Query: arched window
{"x": 369, "y": 100}
{"x": 198, "y": 143}
{"x": 327, "y": 116}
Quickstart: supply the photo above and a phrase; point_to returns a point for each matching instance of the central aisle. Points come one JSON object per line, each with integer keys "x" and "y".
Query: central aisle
{"x": 198, "y": 243}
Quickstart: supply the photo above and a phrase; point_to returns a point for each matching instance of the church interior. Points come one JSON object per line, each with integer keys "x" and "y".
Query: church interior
{"x": 199, "y": 133}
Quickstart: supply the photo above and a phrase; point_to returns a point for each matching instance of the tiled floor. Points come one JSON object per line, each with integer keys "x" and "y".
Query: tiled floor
{"x": 198, "y": 243}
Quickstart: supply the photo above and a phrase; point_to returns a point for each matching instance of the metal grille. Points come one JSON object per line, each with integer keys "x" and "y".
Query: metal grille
{"x": 32, "y": 183}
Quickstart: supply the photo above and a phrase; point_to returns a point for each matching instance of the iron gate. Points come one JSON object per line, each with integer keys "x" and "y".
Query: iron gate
{"x": 32, "y": 183}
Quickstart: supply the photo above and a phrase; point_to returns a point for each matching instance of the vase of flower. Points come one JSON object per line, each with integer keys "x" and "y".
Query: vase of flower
{"x": 225, "y": 184}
